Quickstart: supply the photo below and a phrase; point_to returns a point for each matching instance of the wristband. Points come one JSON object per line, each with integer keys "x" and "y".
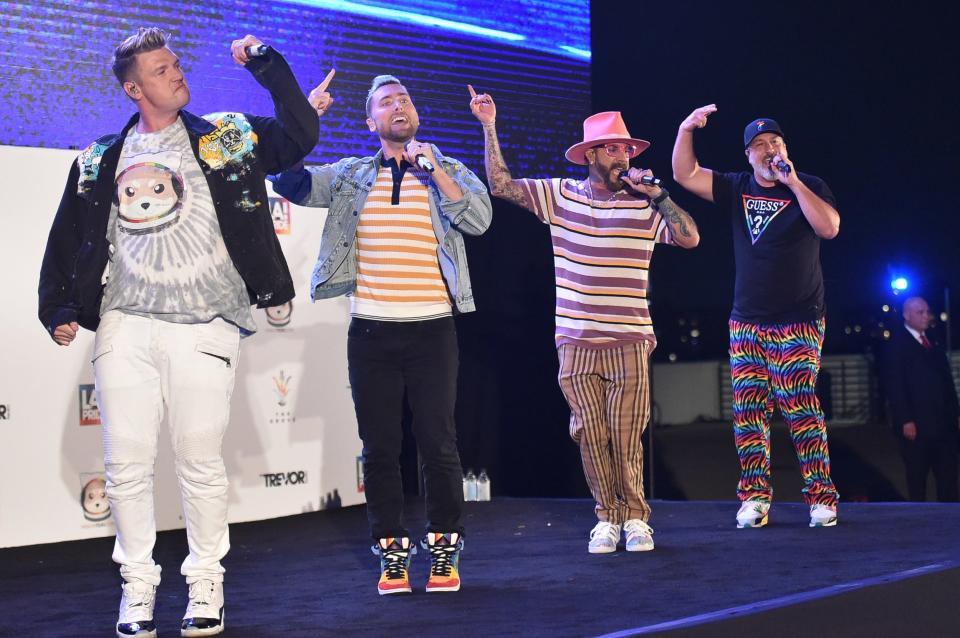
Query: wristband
{"x": 662, "y": 196}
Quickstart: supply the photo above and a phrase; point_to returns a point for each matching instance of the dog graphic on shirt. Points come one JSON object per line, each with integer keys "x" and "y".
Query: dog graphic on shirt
{"x": 149, "y": 193}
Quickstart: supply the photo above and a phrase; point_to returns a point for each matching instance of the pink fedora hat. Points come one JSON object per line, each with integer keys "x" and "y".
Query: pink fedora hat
{"x": 601, "y": 128}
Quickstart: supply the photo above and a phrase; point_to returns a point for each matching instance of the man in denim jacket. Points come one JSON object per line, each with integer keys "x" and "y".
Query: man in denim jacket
{"x": 393, "y": 242}
{"x": 162, "y": 241}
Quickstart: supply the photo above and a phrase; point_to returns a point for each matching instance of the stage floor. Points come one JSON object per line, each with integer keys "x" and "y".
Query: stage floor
{"x": 885, "y": 570}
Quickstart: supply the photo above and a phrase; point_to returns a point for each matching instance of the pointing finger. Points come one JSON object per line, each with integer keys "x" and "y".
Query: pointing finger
{"x": 472, "y": 92}
{"x": 326, "y": 81}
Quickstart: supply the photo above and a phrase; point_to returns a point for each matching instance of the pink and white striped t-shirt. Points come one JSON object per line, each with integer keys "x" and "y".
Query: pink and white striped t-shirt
{"x": 601, "y": 258}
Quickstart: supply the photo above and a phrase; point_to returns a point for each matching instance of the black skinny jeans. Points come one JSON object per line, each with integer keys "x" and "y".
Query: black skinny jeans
{"x": 420, "y": 358}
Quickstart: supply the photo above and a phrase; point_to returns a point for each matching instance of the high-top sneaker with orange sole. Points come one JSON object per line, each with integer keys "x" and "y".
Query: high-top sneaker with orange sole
{"x": 444, "y": 561}
{"x": 395, "y": 556}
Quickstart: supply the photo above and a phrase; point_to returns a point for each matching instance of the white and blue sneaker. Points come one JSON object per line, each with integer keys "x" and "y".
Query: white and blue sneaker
{"x": 136, "y": 611}
{"x": 823, "y": 516}
{"x": 752, "y": 514}
{"x": 204, "y": 616}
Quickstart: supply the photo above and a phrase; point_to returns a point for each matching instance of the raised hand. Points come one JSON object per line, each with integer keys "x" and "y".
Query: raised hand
{"x": 319, "y": 98}
{"x": 238, "y": 49}
{"x": 698, "y": 119}
{"x": 482, "y": 106}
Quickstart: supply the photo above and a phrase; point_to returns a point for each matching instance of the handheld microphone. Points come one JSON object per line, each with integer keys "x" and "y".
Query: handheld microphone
{"x": 421, "y": 160}
{"x": 783, "y": 167}
{"x": 646, "y": 180}
{"x": 256, "y": 51}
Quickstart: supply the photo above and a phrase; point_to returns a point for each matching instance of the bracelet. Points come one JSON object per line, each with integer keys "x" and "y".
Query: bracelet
{"x": 662, "y": 196}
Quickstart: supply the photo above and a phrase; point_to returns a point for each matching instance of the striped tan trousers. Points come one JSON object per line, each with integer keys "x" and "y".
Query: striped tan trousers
{"x": 608, "y": 391}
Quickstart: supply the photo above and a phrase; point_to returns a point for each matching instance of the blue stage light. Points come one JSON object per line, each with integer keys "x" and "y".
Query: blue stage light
{"x": 359, "y": 8}
{"x": 899, "y": 283}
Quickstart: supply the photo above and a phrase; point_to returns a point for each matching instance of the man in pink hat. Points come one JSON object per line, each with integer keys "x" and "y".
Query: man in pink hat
{"x": 777, "y": 322}
{"x": 604, "y": 230}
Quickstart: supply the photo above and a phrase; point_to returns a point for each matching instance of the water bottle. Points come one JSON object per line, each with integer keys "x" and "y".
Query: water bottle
{"x": 470, "y": 486}
{"x": 483, "y": 486}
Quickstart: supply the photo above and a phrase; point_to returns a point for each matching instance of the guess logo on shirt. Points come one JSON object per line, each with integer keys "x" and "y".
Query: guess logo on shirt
{"x": 759, "y": 212}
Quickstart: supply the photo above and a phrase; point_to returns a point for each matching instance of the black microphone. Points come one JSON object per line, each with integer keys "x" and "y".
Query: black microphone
{"x": 256, "y": 50}
{"x": 421, "y": 160}
{"x": 646, "y": 180}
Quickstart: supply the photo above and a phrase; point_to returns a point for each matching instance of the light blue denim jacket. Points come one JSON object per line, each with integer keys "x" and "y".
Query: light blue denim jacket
{"x": 343, "y": 187}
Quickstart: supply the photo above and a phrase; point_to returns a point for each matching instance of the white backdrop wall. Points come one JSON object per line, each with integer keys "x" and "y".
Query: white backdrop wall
{"x": 291, "y": 446}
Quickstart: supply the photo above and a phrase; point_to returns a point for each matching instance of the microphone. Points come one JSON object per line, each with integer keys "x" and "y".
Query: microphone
{"x": 421, "y": 160}
{"x": 646, "y": 180}
{"x": 782, "y": 166}
{"x": 256, "y": 51}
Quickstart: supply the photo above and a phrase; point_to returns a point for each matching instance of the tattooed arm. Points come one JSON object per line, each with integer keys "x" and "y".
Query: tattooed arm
{"x": 682, "y": 227}
{"x": 498, "y": 175}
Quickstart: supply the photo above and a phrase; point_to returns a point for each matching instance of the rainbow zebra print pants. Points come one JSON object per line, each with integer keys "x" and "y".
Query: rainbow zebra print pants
{"x": 774, "y": 364}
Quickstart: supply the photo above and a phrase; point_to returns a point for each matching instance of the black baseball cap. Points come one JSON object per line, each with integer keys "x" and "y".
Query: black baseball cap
{"x": 758, "y": 126}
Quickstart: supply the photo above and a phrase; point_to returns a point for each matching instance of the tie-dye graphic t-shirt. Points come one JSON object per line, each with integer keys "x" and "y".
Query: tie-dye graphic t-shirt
{"x": 167, "y": 256}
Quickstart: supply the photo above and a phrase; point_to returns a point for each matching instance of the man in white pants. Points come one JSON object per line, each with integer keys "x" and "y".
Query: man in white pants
{"x": 162, "y": 241}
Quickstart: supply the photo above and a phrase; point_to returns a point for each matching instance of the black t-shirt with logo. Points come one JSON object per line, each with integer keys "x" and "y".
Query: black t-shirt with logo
{"x": 779, "y": 279}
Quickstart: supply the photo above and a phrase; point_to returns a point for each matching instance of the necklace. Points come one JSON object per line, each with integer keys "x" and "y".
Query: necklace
{"x": 611, "y": 198}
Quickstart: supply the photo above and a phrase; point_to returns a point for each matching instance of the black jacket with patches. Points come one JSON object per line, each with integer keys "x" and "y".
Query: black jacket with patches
{"x": 71, "y": 276}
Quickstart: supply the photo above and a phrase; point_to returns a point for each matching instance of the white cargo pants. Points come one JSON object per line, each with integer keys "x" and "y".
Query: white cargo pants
{"x": 145, "y": 367}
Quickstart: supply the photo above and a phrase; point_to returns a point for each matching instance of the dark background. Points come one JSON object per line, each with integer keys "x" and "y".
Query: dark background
{"x": 866, "y": 95}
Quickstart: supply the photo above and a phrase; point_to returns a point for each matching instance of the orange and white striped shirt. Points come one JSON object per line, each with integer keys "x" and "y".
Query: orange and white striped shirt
{"x": 398, "y": 273}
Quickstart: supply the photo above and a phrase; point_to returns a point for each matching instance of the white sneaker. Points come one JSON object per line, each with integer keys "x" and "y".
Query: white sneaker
{"x": 823, "y": 516}
{"x": 604, "y": 538}
{"x": 752, "y": 514}
{"x": 204, "y": 616}
{"x": 136, "y": 610}
{"x": 639, "y": 535}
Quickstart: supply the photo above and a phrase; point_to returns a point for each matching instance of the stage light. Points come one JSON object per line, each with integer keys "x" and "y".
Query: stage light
{"x": 358, "y": 8}
{"x": 899, "y": 284}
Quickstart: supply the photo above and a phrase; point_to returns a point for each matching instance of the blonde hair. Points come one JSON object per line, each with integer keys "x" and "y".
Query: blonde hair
{"x": 380, "y": 80}
{"x": 125, "y": 55}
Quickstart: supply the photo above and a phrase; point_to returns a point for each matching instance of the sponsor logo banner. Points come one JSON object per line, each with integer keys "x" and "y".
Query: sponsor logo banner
{"x": 89, "y": 410}
{"x": 284, "y": 479}
{"x": 282, "y": 216}
{"x": 282, "y": 389}
{"x": 279, "y": 316}
{"x": 93, "y": 497}
{"x": 360, "y": 487}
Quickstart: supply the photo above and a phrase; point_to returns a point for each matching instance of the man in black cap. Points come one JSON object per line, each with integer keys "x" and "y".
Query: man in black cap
{"x": 777, "y": 323}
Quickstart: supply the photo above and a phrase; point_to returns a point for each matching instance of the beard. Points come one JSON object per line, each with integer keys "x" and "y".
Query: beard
{"x": 766, "y": 170}
{"x": 401, "y": 136}
{"x": 613, "y": 181}
{"x": 609, "y": 176}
